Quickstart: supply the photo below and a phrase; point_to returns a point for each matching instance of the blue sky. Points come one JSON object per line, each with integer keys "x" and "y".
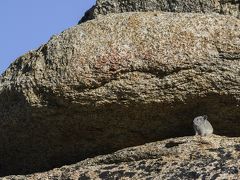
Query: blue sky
{"x": 26, "y": 24}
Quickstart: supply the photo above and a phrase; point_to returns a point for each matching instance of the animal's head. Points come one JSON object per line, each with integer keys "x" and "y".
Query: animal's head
{"x": 200, "y": 119}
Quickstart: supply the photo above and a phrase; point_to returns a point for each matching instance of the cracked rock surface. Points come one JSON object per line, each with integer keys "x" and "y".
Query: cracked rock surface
{"x": 103, "y": 7}
{"x": 212, "y": 157}
{"x": 118, "y": 81}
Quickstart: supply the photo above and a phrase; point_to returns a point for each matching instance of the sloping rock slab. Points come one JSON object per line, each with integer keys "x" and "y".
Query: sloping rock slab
{"x": 118, "y": 81}
{"x": 103, "y": 7}
{"x": 180, "y": 158}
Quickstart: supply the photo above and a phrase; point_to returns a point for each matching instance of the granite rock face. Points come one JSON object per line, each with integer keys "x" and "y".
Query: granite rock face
{"x": 118, "y": 81}
{"x": 103, "y": 7}
{"x": 179, "y": 158}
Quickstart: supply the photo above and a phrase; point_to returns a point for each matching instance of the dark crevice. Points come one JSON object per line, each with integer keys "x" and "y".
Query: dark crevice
{"x": 160, "y": 74}
{"x": 229, "y": 56}
{"x": 201, "y": 6}
{"x": 173, "y": 144}
{"x": 118, "y": 160}
{"x": 44, "y": 51}
{"x": 237, "y": 147}
{"x": 170, "y": 5}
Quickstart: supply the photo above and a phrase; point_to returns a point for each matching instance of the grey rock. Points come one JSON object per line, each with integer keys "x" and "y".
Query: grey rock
{"x": 103, "y": 7}
{"x": 118, "y": 81}
{"x": 214, "y": 157}
{"x": 202, "y": 126}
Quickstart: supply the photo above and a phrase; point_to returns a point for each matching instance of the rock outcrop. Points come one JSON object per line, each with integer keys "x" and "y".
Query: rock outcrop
{"x": 118, "y": 81}
{"x": 180, "y": 158}
{"x": 103, "y": 7}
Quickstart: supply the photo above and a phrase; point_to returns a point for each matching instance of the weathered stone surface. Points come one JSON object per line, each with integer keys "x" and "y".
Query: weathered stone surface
{"x": 103, "y": 7}
{"x": 180, "y": 158}
{"x": 119, "y": 81}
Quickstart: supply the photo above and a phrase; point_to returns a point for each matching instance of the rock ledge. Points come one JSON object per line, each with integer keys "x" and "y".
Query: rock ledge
{"x": 179, "y": 158}
{"x": 103, "y": 7}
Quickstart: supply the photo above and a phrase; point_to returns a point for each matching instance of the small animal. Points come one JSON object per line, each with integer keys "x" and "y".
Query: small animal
{"x": 202, "y": 126}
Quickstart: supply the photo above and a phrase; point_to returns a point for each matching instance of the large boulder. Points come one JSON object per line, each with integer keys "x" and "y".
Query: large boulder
{"x": 213, "y": 157}
{"x": 117, "y": 81}
{"x": 103, "y": 7}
